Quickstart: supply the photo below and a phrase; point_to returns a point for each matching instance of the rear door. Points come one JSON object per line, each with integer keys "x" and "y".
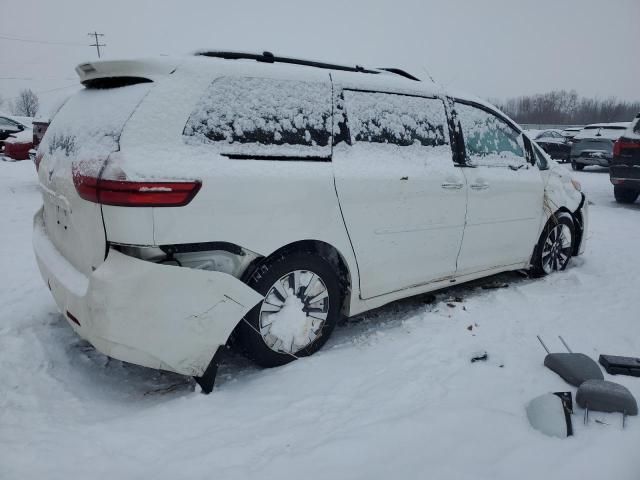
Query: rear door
{"x": 505, "y": 193}
{"x": 81, "y": 137}
{"x": 402, "y": 198}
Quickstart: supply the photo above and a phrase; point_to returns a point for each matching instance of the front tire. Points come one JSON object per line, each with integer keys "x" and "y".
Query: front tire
{"x": 625, "y": 195}
{"x": 302, "y": 305}
{"x": 555, "y": 246}
{"x": 577, "y": 166}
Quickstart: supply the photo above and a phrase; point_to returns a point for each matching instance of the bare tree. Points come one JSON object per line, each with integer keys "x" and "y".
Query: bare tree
{"x": 26, "y": 104}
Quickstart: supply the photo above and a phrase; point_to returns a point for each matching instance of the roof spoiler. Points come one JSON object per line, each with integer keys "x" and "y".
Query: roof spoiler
{"x": 114, "y": 73}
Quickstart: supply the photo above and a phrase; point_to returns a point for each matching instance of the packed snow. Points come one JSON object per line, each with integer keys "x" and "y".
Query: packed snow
{"x": 392, "y": 395}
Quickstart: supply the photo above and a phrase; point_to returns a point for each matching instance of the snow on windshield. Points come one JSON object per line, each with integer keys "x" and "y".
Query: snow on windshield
{"x": 265, "y": 113}
{"x": 489, "y": 140}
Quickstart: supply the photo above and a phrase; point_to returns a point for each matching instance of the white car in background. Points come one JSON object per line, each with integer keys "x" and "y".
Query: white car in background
{"x": 226, "y": 193}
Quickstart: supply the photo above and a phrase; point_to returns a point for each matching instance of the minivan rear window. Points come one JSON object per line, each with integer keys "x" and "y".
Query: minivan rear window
{"x": 89, "y": 124}
{"x": 262, "y": 111}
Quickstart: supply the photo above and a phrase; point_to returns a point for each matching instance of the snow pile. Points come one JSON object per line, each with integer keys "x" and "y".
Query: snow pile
{"x": 392, "y": 395}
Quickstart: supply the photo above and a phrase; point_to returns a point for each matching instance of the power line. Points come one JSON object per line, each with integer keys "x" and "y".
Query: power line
{"x": 97, "y": 44}
{"x": 46, "y": 42}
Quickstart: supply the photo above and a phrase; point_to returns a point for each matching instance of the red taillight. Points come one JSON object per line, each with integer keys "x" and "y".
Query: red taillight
{"x": 623, "y": 144}
{"x": 126, "y": 193}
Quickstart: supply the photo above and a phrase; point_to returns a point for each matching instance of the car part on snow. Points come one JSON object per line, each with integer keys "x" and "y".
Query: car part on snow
{"x": 208, "y": 378}
{"x": 551, "y": 414}
{"x": 616, "y": 365}
{"x": 604, "y": 396}
{"x": 574, "y": 368}
{"x": 479, "y": 356}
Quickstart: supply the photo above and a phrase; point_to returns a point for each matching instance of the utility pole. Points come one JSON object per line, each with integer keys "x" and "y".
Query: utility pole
{"x": 97, "y": 44}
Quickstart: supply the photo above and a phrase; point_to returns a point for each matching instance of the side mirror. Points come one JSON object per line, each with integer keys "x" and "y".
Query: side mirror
{"x": 551, "y": 414}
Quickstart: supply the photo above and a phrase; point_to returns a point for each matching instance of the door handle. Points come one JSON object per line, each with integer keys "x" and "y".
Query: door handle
{"x": 452, "y": 186}
{"x": 479, "y": 186}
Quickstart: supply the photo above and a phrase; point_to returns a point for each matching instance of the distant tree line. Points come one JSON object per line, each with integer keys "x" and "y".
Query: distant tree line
{"x": 567, "y": 107}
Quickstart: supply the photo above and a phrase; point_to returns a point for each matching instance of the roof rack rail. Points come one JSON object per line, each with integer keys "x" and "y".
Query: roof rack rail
{"x": 268, "y": 57}
{"x": 400, "y": 72}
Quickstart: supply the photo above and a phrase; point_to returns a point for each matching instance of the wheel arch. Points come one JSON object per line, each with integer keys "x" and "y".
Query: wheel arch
{"x": 318, "y": 247}
{"x": 578, "y": 225}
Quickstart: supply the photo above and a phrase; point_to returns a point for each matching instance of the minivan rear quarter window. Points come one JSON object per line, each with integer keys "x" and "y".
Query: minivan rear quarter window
{"x": 263, "y": 112}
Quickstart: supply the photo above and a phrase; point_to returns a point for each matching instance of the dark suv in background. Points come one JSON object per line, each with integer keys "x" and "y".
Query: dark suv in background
{"x": 593, "y": 145}
{"x": 625, "y": 164}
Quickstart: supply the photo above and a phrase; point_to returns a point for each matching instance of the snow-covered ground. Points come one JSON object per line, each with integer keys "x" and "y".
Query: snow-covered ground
{"x": 392, "y": 395}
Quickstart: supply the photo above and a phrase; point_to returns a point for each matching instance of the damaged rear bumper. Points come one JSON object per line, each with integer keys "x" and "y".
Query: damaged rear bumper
{"x": 159, "y": 316}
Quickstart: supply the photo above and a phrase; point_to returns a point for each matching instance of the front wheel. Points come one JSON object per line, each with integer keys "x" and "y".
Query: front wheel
{"x": 301, "y": 306}
{"x": 625, "y": 195}
{"x": 555, "y": 246}
{"x": 577, "y": 166}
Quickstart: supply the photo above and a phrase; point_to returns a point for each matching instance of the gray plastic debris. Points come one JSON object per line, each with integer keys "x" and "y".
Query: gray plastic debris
{"x": 574, "y": 368}
{"x": 604, "y": 396}
{"x": 549, "y": 414}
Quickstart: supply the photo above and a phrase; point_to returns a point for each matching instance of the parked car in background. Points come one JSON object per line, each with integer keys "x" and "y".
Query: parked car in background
{"x": 10, "y": 126}
{"x": 593, "y": 145}
{"x": 557, "y": 145}
{"x": 571, "y": 132}
{"x": 188, "y": 199}
{"x": 16, "y": 136}
{"x": 624, "y": 171}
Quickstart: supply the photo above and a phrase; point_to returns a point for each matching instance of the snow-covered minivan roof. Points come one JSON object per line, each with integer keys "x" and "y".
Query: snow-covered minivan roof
{"x": 151, "y": 69}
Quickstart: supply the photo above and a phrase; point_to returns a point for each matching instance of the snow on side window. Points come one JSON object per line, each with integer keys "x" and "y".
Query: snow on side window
{"x": 396, "y": 119}
{"x": 263, "y": 112}
{"x": 489, "y": 140}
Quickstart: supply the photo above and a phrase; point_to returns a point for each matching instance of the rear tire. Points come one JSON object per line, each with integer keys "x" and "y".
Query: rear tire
{"x": 555, "y": 246}
{"x": 625, "y": 195}
{"x": 577, "y": 166}
{"x": 291, "y": 284}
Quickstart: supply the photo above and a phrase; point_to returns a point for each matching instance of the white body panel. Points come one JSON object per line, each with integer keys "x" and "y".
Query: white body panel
{"x": 406, "y": 228}
{"x": 503, "y": 217}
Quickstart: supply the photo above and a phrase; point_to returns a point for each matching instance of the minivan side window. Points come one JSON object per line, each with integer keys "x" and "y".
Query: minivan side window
{"x": 263, "y": 112}
{"x": 396, "y": 119}
{"x": 488, "y": 139}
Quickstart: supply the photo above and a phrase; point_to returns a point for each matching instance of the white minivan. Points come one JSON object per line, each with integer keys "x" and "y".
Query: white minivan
{"x": 259, "y": 198}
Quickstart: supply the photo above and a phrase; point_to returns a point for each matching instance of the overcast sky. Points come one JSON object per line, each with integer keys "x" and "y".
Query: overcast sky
{"x": 492, "y": 48}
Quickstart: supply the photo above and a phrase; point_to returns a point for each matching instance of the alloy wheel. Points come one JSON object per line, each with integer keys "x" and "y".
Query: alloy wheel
{"x": 556, "y": 250}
